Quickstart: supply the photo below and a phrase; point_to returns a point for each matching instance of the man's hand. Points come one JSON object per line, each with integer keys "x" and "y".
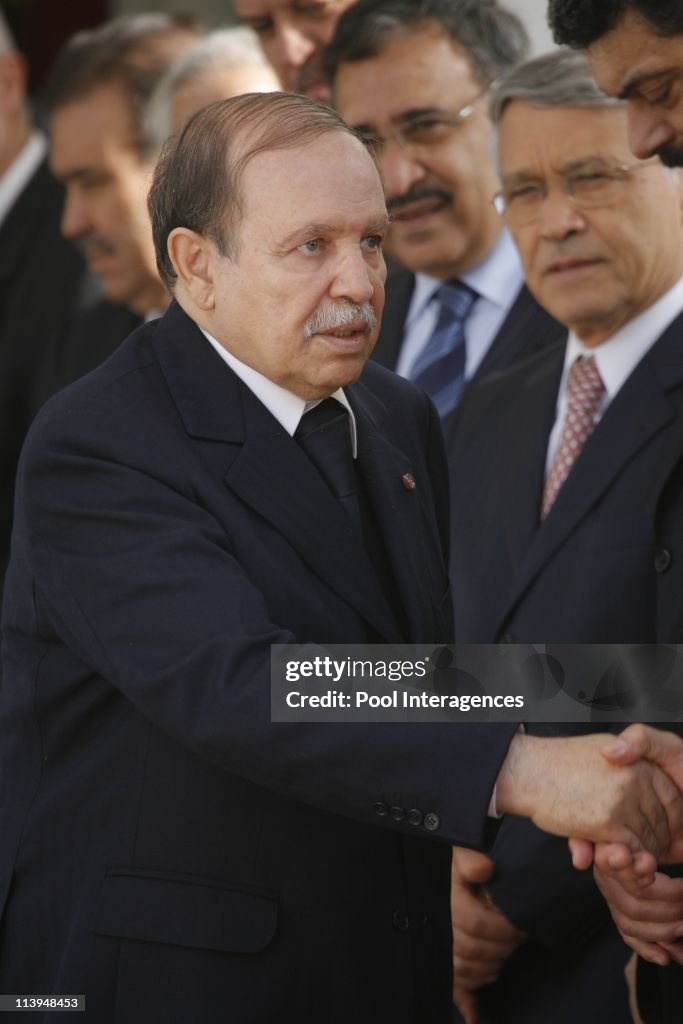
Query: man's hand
{"x": 567, "y": 787}
{"x": 483, "y": 938}
{"x": 664, "y": 749}
{"x": 649, "y": 919}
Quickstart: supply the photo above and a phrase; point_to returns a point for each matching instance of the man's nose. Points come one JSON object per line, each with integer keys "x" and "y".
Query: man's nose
{"x": 400, "y": 170}
{"x": 648, "y": 130}
{"x": 353, "y": 278}
{"x": 75, "y": 220}
{"x": 292, "y": 48}
{"x": 559, "y": 215}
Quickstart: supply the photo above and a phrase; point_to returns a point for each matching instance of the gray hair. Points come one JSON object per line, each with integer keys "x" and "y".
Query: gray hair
{"x": 559, "y": 79}
{"x": 223, "y": 48}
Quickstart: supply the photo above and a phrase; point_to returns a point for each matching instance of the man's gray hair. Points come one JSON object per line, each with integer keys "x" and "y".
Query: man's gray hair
{"x": 559, "y": 79}
{"x": 224, "y": 48}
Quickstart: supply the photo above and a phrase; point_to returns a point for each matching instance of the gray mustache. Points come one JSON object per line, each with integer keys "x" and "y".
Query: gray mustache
{"x": 333, "y": 316}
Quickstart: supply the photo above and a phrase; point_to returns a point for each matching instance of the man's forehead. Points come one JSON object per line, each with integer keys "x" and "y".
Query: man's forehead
{"x": 632, "y": 53}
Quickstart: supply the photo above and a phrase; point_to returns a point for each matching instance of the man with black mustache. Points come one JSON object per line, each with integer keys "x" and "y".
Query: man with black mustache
{"x": 415, "y": 77}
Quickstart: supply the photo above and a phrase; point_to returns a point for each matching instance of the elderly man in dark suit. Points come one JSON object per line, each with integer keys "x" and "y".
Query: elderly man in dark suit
{"x": 40, "y": 274}
{"x": 415, "y": 77}
{"x": 165, "y": 848}
{"x": 568, "y": 494}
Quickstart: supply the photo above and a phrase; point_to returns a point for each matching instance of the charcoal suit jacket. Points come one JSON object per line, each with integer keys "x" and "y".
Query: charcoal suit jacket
{"x": 164, "y": 848}
{"x": 606, "y": 566}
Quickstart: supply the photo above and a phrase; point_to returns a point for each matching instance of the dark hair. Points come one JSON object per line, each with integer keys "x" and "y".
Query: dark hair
{"x": 493, "y": 37}
{"x": 133, "y": 52}
{"x": 579, "y": 23}
{"x": 197, "y": 178}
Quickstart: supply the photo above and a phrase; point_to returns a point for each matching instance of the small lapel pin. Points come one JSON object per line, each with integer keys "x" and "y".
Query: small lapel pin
{"x": 408, "y": 481}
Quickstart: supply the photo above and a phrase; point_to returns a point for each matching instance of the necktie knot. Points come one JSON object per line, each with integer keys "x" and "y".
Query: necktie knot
{"x": 440, "y": 367}
{"x": 324, "y": 434}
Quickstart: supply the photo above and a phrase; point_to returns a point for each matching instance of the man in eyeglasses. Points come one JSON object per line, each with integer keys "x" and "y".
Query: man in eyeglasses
{"x": 569, "y": 531}
{"x": 415, "y": 78}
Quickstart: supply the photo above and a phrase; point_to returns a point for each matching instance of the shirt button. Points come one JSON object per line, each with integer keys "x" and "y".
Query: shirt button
{"x": 432, "y": 822}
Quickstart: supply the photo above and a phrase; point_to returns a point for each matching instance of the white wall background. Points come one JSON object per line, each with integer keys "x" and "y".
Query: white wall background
{"x": 216, "y": 12}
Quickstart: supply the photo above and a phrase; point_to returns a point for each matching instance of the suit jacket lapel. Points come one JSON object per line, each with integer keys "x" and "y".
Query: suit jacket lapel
{"x": 268, "y": 471}
{"x": 637, "y": 414}
{"x": 526, "y": 329}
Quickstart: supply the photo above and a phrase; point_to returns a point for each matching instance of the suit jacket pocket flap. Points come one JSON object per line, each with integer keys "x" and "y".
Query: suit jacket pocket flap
{"x": 201, "y": 913}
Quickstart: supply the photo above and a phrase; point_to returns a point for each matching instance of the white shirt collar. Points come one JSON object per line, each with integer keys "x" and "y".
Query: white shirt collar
{"x": 20, "y": 172}
{"x": 498, "y": 278}
{"x": 618, "y": 356}
{"x": 285, "y": 406}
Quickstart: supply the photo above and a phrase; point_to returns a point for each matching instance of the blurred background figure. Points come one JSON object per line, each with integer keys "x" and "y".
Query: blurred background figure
{"x": 414, "y": 79}
{"x": 103, "y": 153}
{"x": 40, "y": 273}
{"x": 225, "y": 63}
{"x": 294, "y": 35}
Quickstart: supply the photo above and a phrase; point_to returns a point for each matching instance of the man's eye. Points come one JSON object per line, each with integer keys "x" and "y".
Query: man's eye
{"x": 312, "y": 246}
{"x": 311, "y": 9}
{"x": 657, "y": 95}
{"x": 524, "y": 194}
{"x": 423, "y": 130}
{"x": 373, "y": 242}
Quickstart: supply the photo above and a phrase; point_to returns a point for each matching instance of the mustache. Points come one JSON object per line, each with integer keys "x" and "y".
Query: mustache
{"x": 93, "y": 243}
{"x": 416, "y": 195}
{"x": 332, "y": 316}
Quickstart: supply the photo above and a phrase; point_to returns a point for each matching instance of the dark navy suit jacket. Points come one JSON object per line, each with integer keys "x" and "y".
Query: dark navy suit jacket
{"x": 164, "y": 847}
{"x": 606, "y": 566}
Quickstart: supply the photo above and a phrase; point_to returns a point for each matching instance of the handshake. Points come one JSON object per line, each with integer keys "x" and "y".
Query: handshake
{"x": 620, "y": 800}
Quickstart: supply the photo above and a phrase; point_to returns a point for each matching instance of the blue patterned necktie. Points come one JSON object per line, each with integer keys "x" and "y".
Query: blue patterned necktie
{"x": 440, "y": 367}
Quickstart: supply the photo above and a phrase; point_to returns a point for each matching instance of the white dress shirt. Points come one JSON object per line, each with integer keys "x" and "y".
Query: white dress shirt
{"x": 285, "y": 406}
{"x": 20, "y": 171}
{"x": 617, "y": 357}
{"x": 497, "y": 280}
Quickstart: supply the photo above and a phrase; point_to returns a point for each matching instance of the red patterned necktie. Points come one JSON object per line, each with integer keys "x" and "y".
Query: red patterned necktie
{"x": 585, "y": 391}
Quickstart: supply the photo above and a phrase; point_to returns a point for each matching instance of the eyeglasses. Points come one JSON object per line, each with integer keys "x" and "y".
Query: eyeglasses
{"x": 591, "y": 185}
{"x": 425, "y": 129}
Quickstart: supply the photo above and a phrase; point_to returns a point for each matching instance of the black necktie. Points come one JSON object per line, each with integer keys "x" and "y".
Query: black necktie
{"x": 324, "y": 433}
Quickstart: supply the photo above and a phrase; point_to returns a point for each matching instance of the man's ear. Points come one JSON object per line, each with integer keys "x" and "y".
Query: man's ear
{"x": 193, "y": 257}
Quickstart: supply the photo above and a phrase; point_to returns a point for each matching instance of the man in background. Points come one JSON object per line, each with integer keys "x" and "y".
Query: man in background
{"x": 224, "y": 63}
{"x": 293, "y": 34}
{"x": 415, "y": 78}
{"x": 40, "y": 274}
{"x": 581, "y": 449}
{"x": 102, "y": 152}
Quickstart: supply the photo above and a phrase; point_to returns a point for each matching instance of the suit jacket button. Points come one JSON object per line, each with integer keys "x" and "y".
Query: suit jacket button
{"x": 400, "y": 922}
{"x": 381, "y": 809}
{"x": 398, "y": 814}
{"x": 432, "y": 822}
{"x": 415, "y": 817}
{"x": 663, "y": 560}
